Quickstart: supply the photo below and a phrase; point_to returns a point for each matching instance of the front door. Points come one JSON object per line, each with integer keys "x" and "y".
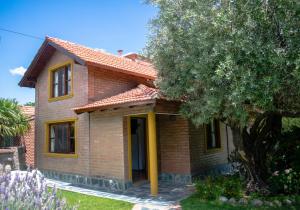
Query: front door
{"x": 139, "y": 149}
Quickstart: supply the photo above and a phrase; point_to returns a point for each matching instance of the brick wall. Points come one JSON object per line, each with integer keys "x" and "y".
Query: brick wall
{"x": 109, "y": 144}
{"x": 28, "y": 140}
{"x": 201, "y": 158}
{"x": 59, "y": 110}
{"x": 173, "y": 144}
{"x": 103, "y": 83}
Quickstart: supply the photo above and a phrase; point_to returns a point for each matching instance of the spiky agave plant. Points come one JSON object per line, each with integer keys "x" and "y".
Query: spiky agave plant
{"x": 12, "y": 121}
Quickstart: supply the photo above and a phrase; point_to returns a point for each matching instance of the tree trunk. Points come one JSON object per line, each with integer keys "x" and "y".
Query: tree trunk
{"x": 255, "y": 145}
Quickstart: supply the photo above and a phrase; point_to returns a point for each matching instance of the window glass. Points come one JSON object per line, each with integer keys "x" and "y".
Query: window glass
{"x": 213, "y": 135}
{"x": 62, "y": 138}
{"x": 61, "y": 81}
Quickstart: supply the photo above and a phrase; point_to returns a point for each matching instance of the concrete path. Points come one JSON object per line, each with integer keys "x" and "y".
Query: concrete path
{"x": 168, "y": 199}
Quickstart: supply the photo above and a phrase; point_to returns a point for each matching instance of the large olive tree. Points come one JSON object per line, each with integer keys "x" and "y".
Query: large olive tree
{"x": 237, "y": 61}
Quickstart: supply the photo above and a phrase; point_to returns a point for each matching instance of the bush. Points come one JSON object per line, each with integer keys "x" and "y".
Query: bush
{"x": 232, "y": 187}
{"x": 207, "y": 189}
{"x": 287, "y": 182}
{"x": 28, "y": 190}
{"x": 212, "y": 188}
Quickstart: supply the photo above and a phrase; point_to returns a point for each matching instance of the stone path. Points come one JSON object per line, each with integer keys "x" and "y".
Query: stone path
{"x": 168, "y": 197}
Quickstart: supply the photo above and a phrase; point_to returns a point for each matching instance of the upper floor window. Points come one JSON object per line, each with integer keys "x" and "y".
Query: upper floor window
{"x": 213, "y": 140}
{"x": 62, "y": 138}
{"x": 61, "y": 81}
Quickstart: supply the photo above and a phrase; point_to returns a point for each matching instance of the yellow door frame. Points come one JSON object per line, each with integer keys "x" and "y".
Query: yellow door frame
{"x": 145, "y": 116}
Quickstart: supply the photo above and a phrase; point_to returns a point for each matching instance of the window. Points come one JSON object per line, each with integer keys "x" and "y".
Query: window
{"x": 61, "y": 81}
{"x": 213, "y": 140}
{"x": 62, "y": 138}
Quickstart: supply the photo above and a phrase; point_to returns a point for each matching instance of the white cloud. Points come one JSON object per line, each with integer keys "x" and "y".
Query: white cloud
{"x": 18, "y": 71}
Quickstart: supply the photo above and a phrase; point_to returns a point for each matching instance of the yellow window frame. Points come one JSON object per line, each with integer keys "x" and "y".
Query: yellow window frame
{"x": 50, "y": 81}
{"x": 47, "y": 141}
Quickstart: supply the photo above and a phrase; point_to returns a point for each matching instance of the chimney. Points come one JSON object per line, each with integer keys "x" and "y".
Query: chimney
{"x": 120, "y": 52}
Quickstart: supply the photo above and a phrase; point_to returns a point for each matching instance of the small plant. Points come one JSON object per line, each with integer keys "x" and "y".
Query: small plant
{"x": 28, "y": 190}
{"x": 213, "y": 187}
{"x": 232, "y": 187}
{"x": 208, "y": 189}
{"x": 287, "y": 182}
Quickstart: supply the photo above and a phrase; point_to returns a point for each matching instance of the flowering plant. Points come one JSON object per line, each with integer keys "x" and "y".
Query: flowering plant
{"x": 28, "y": 190}
{"x": 286, "y": 181}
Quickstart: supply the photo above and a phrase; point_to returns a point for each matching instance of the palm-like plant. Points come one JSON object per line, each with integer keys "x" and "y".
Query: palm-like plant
{"x": 12, "y": 121}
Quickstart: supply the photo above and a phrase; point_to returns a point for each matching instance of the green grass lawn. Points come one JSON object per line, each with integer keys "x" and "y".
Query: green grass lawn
{"x": 194, "y": 203}
{"x": 86, "y": 202}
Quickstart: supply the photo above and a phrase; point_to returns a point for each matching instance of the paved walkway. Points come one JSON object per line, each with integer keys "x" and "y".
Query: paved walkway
{"x": 169, "y": 195}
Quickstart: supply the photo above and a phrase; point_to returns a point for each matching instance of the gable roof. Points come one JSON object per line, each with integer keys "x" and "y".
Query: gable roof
{"x": 142, "y": 94}
{"x": 85, "y": 56}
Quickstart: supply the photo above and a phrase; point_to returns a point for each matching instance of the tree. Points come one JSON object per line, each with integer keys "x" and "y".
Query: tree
{"x": 29, "y": 104}
{"x": 237, "y": 61}
{"x": 12, "y": 121}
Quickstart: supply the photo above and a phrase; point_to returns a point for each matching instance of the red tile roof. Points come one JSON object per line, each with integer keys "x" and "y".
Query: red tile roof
{"x": 140, "y": 94}
{"x": 99, "y": 58}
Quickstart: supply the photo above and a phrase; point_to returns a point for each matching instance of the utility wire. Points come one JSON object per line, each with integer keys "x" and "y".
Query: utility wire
{"x": 22, "y": 34}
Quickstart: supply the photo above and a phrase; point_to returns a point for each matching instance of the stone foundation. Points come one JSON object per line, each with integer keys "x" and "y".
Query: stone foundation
{"x": 175, "y": 178}
{"x": 214, "y": 171}
{"x": 98, "y": 183}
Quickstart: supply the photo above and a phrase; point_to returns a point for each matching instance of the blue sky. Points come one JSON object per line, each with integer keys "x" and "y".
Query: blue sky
{"x": 105, "y": 24}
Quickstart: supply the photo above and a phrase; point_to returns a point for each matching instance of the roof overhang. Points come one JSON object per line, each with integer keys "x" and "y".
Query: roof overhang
{"x": 46, "y": 50}
{"x": 114, "y": 106}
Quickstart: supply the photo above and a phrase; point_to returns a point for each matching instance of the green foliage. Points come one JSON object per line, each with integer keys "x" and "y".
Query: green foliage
{"x": 288, "y": 124}
{"x": 29, "y": 104}
{"x": 207, "y": 189}
{"x": 194, "y": 203}
{"x": 212, "y": 188}
{"x": 287, "y": 182}
{"x": 233, "y": 187}
{"x": 287, "y": 152}
{"x": 87, "y": 202}
{"x": 228, "y": 59}
{"x": 12, "y": 121}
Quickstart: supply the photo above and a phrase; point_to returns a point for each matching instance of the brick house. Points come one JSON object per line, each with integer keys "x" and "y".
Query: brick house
{"x": 101, "y": 122}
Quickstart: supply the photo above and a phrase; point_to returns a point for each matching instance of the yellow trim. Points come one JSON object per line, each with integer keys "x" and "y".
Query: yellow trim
{"x": 129, "y": 148}
{"x": 50, "y": 71}
{"x": 153, "y": 154}
{"x": 212, "y": 150}
{"x": 46, "y": 146}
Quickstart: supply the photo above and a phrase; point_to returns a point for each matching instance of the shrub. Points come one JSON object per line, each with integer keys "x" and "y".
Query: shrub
{"x": 207, "y": 189}
{"x": 287, "y": 182}
{"x": 28, "y": 190}
{"x": 213, "y": 187}
{"x": 232, "y": 187}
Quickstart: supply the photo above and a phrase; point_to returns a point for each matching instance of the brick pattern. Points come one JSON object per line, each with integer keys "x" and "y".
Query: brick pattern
{"x": 201, "y": 158}
{"x": 103, "y": 84}
{"x": 174, "y": 144}
{"x": 109, "y": 144}
{"x": 47, "y": 111}
{"x": 28, "y": 140}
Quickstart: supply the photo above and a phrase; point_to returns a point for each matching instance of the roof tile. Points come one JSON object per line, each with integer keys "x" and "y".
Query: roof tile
{"x": 139, "y": 94}
{"x": 143, "y": 69}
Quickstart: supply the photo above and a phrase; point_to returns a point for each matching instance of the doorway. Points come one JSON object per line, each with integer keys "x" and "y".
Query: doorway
{"x": 139, "y": 149}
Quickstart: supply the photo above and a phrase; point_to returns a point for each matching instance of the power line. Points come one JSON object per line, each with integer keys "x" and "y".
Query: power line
{"x": 20, "y": 33}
